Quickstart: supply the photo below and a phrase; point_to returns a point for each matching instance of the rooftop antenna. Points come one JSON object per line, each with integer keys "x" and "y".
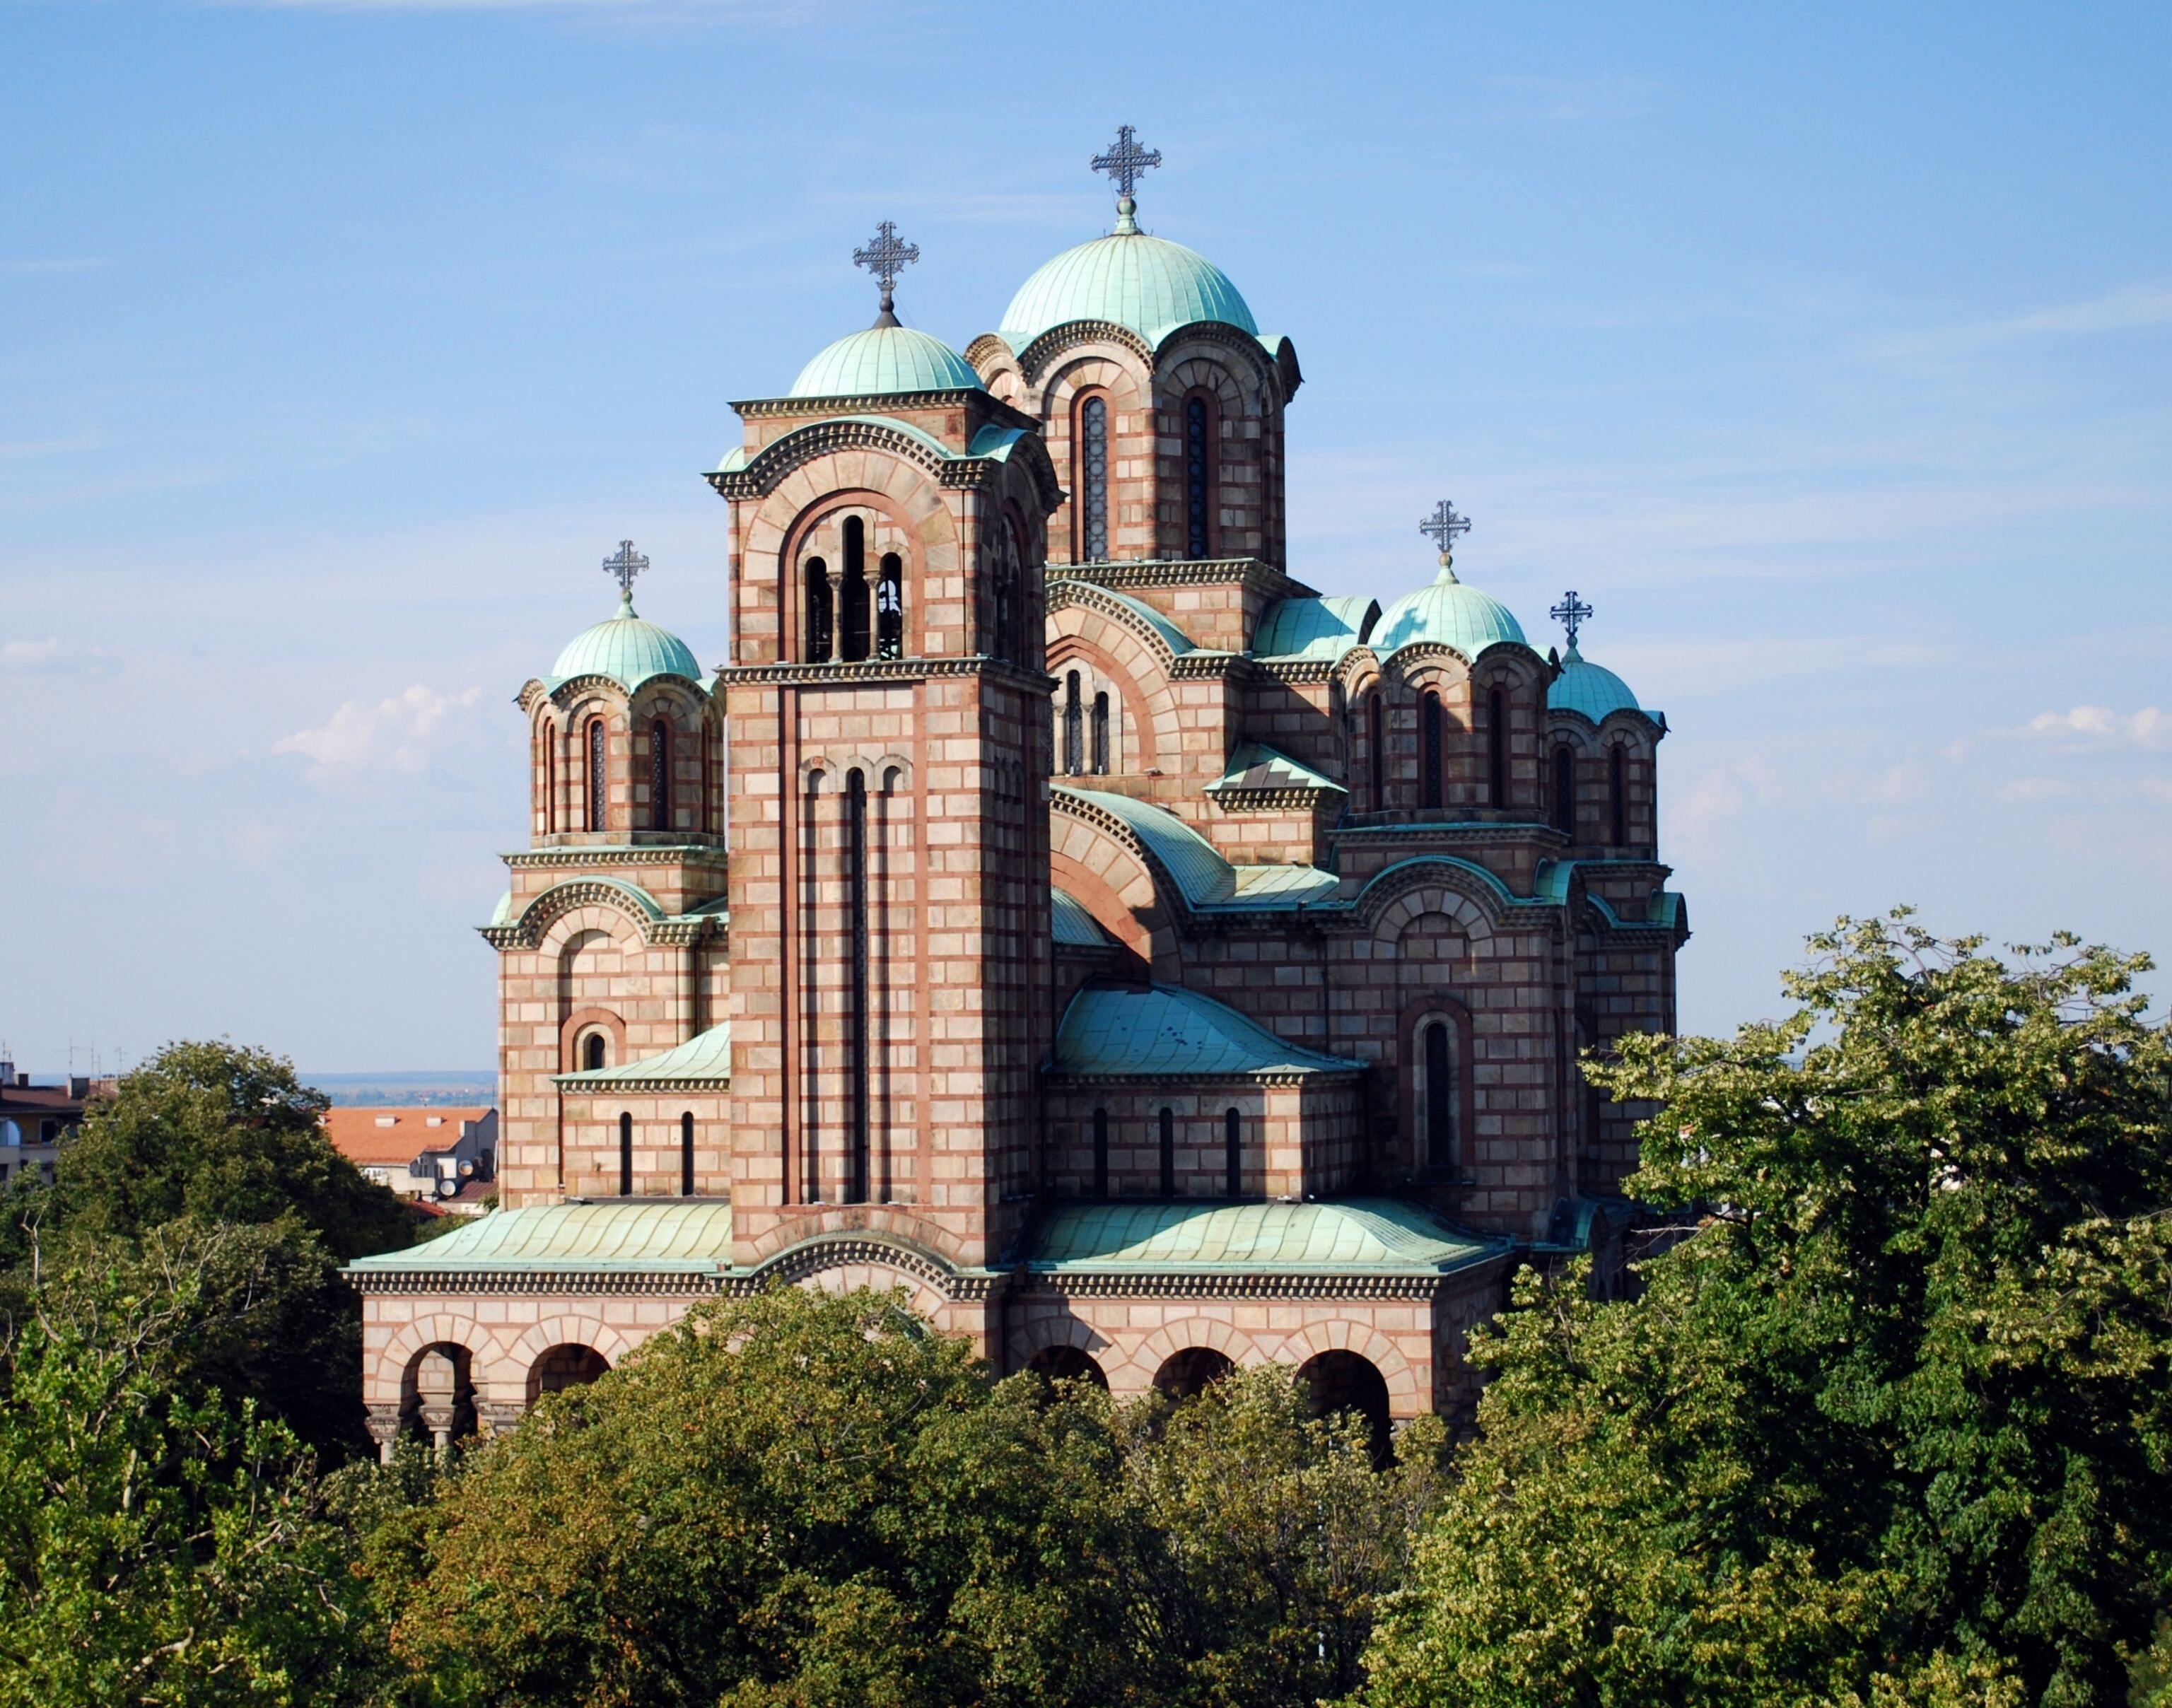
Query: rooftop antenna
{"x": 1124, "y": 160}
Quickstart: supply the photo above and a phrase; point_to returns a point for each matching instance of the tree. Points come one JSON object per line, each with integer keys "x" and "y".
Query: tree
{"x": 218, "y": 1132}
{"x": 1894, "y": 1422}
{"x": 159, "y": 1544}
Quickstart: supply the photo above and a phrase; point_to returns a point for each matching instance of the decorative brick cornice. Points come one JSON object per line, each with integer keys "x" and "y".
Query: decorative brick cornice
{"x": 785, "y": 673}
{"x": 1294, "y": 799}
{"x": 1273, "y": 1077}
{"x": 1202, "y": 665}
{"x": 1319, "y": 1286}
{"x": 1059, "y": 341}
{"x": 822, "y": 435}
{"x": 616, "y": 1283}
{"x": 817, "y": 409}
{"x": 712, "y": 853}
{"x": 1463, "y": 833}
{"x": 628, "y": 898}
{"x": 825, "y": 1251}
{"x": 1122, "y": 574}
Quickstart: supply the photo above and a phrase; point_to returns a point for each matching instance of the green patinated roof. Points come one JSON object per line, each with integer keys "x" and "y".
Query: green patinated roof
{"x": 1163, "y": 1029}
{"x": 1147, "y": 284}
{"x": 883, "y": 360}
{"x": 1073, "y": 924}
{"x": 1256, "y": 765}
{"x": 677, "y": 1234}
{"x": 1175, "y": 639}
{"x": 1201, "y": 875}
{"x": 1359, "y": 1236}
{"x": 1590, "y": 689}
{"x": 706, "y": 1055}
{"x": 627, "y": 648}
{"x": 1314, "y": 628}
{"x": 1448, "y": 612}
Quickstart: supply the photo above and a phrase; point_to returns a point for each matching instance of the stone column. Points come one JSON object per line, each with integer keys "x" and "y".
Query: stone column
{"x": 384, "y": 1425}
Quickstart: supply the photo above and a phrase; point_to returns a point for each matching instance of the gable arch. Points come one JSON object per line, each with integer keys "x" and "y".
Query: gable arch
{"x": 1112, "y": 879}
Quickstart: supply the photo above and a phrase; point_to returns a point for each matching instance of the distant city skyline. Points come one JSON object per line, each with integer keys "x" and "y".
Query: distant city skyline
{"x": 1827, "y": 357}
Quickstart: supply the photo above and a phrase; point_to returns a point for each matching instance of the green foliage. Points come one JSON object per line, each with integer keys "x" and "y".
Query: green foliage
{"x": 215, "y": 1133}
{"x": 802, "y": 1499}
{"x": 1895, "y": 1423}
{"x": 158, "y": 1546}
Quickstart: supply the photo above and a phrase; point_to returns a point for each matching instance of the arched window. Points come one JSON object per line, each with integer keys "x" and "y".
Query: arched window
{"x": 889, "y": 607}
{"x": 686, "y": 1154}
{"x": 1497, "y": 748}
{"x": 550, "y": 780}
{"x": 1169, "y": 1154}
{"x": 625, "y": 1156}
{"x": 820, "y": 619}
{"x": 1617, "y": 791}
{"x": 1233, "y": 1162}
{"x": 1564, "y": 802}
{"x": 1431, "y": 762}
{"x": 1005, "y": 599}
{"x": 853, "y": 623}
{"x": 1198, "y": 476}
{"x": 659, "y": 776}
{"x": 599, "y": 798}
{"x": 1074, "y": 727}
{"x": 1101, "y": 733}
{"x": 594, "y": 1052}
{"x": 1376, "y": 748}
{"x": 1101, "y": 1154}
{"x": 1441, "y": 1094}
{"x": 1093, "y": 480}
{"x": 856, "y": 893}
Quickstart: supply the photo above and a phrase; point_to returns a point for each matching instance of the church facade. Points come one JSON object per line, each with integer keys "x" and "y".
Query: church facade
{"x": 1055, "y": 907}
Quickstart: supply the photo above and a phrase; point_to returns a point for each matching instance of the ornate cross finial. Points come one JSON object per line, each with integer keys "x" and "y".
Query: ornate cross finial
{"x": 1571, "y": 614}
{"x": 1445, "y": 523}
{"x": 1123, "y": 162}
{"x": 622, "y": 567}
{"x": 885, "y": 258}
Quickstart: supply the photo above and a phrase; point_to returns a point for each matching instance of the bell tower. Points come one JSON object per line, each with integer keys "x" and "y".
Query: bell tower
{"x": 887, "y": 722}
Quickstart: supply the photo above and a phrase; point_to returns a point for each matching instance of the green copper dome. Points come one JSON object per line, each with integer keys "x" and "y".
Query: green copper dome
{"x": 1591, "y": 689}
{"x": 1147, "y": 284}
{"x": 1448, "y": 612}
{"x": 883, "y": 360}
{"x": 628, "y": 650}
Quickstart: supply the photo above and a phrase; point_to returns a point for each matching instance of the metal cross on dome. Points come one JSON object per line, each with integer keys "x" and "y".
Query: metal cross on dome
{"x": 885, "y": 258}
{"x": 1445, "y": 523}
{"x": 1571, "y": 614}
{"x": 622, "y": 567}
{"x": 1126, "y": 160}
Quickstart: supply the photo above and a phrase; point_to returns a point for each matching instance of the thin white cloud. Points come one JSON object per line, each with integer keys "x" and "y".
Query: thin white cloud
{"x": 2100, "y": 726}
{"x": 2130, "y": 308}
{"x": 31, "y": 266}
{"x": 394, "y": 735}
{"x": 54, "y": 657}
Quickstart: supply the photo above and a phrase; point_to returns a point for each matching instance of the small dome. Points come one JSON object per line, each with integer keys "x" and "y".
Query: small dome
{"x": 1590, "y": 689}
{"x": 884, "y": 360}
{"x": 1448, "y": 613}
{"x": 628, "y": 650}
{"x": 1147, "y": 284}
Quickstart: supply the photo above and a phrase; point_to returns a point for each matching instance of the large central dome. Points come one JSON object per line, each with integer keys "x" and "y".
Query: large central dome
{"x": 1146, "y": 284}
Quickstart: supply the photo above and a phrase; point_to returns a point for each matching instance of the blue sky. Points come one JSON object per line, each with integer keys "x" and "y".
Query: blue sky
{"x": 1827, "y": 351}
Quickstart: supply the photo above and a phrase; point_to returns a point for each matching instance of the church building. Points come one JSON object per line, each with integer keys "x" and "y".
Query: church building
{"x": 1055, "y": 907}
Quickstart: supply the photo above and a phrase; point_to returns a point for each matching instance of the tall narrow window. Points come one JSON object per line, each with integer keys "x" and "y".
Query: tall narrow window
{"x": 856, "y": 890}
{"x": 820, "y": 619}
{"x": 1198, "y": 477}
{"x": 1430, "y": 758}
{"x": 1101, "y": 733}
{"x": 1074, "y": 727}
{"x": 1169, "y": 1154}
{"x": 686, "y": 1154}
{"x": 1442, "y": 1095}
{"x": 1233, "y": 1161}
{"x": 1617, "y": 791}
{"x": 706, "y": 817}
{"x": 592, "y": 1052}
{"x": 1496, "y": 748}
{"x": 625, "y": 1156}
{"x": 1093, "y": 480}
{"x": 550, "y": 782}
{"x": 889, "y": 608}
{"x": 1565, "y": 792}
{"x": 659, "y": 776}
{"x": 1101, "y": 1154}
{"x": 852, "y": 621}
{"x": 599, "y": 799}
{"x": 1376, "y": 747}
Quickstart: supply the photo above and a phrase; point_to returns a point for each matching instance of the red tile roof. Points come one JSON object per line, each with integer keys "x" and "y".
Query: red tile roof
{"x": 384, "y": 1137}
